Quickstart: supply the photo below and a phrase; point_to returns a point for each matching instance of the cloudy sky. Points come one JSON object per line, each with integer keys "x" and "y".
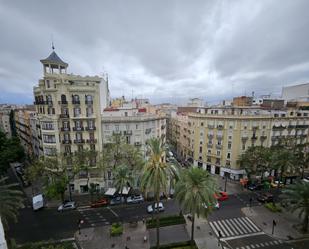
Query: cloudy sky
{"x": 163, "y": 50}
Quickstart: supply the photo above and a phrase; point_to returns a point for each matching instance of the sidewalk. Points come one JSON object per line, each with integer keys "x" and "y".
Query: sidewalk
{"x": 203, "y": 235}
{"x": 284, "y": 222}
{"x": 99, "y": 238}
{"x": 232, "y": 187}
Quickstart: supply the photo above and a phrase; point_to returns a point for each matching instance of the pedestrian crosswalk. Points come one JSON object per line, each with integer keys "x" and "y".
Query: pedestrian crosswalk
{"x": 262, "y": 244}
{"x": 233, "y": 227}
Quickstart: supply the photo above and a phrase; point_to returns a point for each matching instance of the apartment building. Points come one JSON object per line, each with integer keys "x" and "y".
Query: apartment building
{"x": 68, "y": 110}
{"x": 135, "y": 124}
{"x": 215, "y": 138}
{"x": 5, "y": 123}
{"x": 23, "y": 129}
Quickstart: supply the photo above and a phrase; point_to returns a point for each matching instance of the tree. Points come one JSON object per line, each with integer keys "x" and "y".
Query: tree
{"x": 255, "y": 160}
{"x": 195, "y": 192}
{"x": 122, "y": 178}
{"x": 11, "y": 200}
{"x": 155, "y": 174}
{"x": 297, "y": 198}
{"x": 282, "y": 159}
{"x": 10, "y": 151}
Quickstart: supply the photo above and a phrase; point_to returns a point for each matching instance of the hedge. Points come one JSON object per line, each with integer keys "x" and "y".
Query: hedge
{"x": 270, "y": 206}
{"x": 166, "y": 221}
{"x": 116, "y": 229}
{"x": 178, "y": 245}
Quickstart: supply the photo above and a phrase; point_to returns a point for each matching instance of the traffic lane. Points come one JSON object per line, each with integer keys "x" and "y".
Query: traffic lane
{"x": 43, "y": 225}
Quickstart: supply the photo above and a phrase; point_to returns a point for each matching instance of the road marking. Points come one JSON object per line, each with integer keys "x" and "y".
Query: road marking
{"x": 114, "y": 213}
{"x": 242, "y": 236}
{"x": 213, "y": 228}
{"x": 251, "y": 222}
{"x": 236, "y": 227}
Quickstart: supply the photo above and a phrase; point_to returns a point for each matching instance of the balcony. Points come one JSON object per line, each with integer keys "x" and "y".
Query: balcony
{"x": 218, "y": 146}
{"x": 49, "y": 103}
{"x": 138, "y": 144}
{"x": 210, "y": 136}
{"x": 78, "y": 128}
{"x": 254, "y": 137}
{"x": 93, "y": 128}
{"x": 64, "y": 115}
{"x": 210, "y": 126}
{"x": 76, "y": 102}
{"x": 91, "y": 141}
{"x": 209, "y": 146}
{"x": 278, "y": 128}
{"x": 263, "y": 137}
{"x": 79, "y": 141}
{"x": 67, "y": 141}
{"x": 63, "y": 102}
{"x": 65, "y": 128}
{"x": 219, "y": 137}
{"x": 89, "y": 102}
{"x": 127, "y": 132}
{"x": 220, "y": 127}
{"x": 244, "y": 137}
{"x": 116, "y": 132}
{"x": 301, "y": 126}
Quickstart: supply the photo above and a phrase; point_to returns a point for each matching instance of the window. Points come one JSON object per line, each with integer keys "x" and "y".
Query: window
{"x": 229, "y": 145}
{"x": 67, "y": 149}
{"x": 243, "y": 146}
{"x": 77, "y": 112}
{"x": 201, "y": 142}
{"x": 201, "y": 149}
{"x": 80, "y": 148}
{"x": 125, "y": 114}
{"x": 136, "y": 126}
{"x": 117, "y": 127}
{"x": 202, "y": 124}
{"x": 92, "y": 147}
{"x": 228, "y": 155}
{"x": 91, "y": 136}
{"x": 75, "y": 98}
{"x": 107, "y": 127}
{"x": 47, "y": 84}
{"x": 78, "y": 124}
{"x": 78, "y": 136}
{"x": 218, "y": 152}
{"x": 89, "y": 111}
{"x": 209, "y": 151}
{"x": 209, "y": 159}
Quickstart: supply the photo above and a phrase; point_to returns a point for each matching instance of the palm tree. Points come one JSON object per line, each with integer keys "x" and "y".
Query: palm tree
{"x": 11, "y": 200}
{"x": 255, "y": 160}
{"x": 155, "y": 174}
{"x": 195, "y": 192}
{"x": 122, "y": 178}
{"x": 297, "y": 197}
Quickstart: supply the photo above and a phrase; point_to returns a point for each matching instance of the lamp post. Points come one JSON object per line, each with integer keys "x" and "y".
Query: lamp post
{"x": 273, "y": 228}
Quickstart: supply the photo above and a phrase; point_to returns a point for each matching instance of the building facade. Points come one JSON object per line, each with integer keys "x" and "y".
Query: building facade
{"x": 69, "y": 114}
{"x": 215, "y": 139}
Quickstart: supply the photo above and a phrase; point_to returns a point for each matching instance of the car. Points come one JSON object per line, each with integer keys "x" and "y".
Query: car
{"x": 135, "y": 199}
{"x": 99, "y": 203}
{"x": 274, "y": 184}
{"x": 221, "y": 196}
{"x": 67, "y": 206}
{"x": 255, "y": 186}
{"x": 155, "y": 208}
{"x": 216, "y": 205}
{"x": 117, "y": 200}
{"x": 265, "y": 197}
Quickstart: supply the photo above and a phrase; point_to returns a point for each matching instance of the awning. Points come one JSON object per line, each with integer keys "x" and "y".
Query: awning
{"x": 125, "y": 191}
{"x": 110, "y": 191}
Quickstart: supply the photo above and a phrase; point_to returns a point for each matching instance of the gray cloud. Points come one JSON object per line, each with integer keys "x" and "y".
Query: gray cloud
{"x": 159, "y": 49}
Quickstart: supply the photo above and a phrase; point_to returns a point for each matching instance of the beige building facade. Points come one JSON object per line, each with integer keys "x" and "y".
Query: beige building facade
{"x": 69, "y": 113}
{"x": 215, "y": 139}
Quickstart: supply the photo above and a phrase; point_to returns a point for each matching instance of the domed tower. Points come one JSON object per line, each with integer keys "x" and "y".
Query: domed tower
{"x": 54, "y": 65}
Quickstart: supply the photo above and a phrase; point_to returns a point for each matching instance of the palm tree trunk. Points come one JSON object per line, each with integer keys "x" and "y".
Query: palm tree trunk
{"x": 305, "y": 223}
{"x": 158, "y": 219}
{"x": 192, "y": 229}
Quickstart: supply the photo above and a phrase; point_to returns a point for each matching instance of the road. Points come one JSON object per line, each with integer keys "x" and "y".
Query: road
{"x": 49, "y": 224}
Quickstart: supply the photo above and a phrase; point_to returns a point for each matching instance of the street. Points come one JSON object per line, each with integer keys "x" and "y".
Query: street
{"x": 49, "y": 224}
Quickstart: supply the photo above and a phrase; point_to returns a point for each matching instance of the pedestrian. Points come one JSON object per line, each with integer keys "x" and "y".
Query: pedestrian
{"x": 143, "y": 220}
{"x": 145, "y": 239}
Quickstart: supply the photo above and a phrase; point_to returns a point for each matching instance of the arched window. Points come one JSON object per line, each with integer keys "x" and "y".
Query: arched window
{"x": 75, "y": 99}
{"x": 63, "y": 98}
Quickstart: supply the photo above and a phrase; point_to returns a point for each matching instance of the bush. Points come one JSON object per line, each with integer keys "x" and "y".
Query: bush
{"x": 270, "y": 206}
{"x": 178, "y": 245}
{"x": 116, "y": 229}
{"x": 166, "y": 221}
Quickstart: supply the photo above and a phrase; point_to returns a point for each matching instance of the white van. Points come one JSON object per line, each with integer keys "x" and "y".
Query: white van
{"x": 37, "y": 202}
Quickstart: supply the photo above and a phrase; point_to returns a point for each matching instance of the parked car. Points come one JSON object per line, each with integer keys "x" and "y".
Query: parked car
{"x": 274, "y": 184}
{"x": 221, "y": 196}
{"x": 265, "y": 197}
{"x": 135, "y": 199}
{"x": 99, "y": 203}
{"x": 67, "y": 206}
{"x": 216, "y": 205}
{"x": 255, "y": 186}
{"x": 117, "y": 200}
{"x": 155, "y": 208}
